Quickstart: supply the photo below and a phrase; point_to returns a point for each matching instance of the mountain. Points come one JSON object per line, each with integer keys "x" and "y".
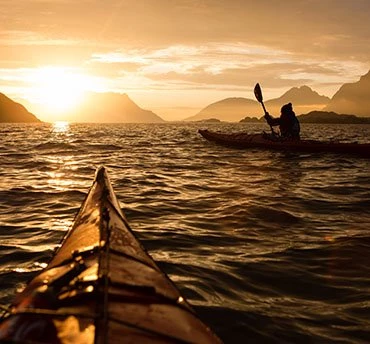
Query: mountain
{"x": 13, "y": 112}
{"x": 229, "y": 109}
{"x": 303, "y": 98}
{"x": 352, "y": 98}
{"x": 112, "y": 108}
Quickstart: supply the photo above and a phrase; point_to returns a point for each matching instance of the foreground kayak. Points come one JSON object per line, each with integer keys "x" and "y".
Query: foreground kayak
{"x": 244, "y": 140}
{"x": 101, "y": 286}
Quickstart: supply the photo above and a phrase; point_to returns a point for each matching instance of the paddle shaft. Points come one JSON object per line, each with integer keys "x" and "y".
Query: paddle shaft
{"x": 264, "y": 109}
{"x": 258, "y": 94}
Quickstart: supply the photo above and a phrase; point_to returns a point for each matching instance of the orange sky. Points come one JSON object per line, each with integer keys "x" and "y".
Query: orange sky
{"x": 175, "y": 57}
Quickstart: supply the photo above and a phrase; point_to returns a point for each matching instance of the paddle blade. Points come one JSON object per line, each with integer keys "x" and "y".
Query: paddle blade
{"x": 258, "y": 92}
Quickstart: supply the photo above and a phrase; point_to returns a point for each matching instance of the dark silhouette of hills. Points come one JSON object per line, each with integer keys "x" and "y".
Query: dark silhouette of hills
{"x": 113, "y": 108}
{"x": 352, "y": 98}
{"x": 304, "y": 99}
{"x": 252, "y": 120}
{"x": 325, "y": 117}
{"x": 13, "y": 112}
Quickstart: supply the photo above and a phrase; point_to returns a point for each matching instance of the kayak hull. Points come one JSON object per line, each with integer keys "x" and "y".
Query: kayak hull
{"x": 261, "y": 141}
{"x": 101, "y": 286}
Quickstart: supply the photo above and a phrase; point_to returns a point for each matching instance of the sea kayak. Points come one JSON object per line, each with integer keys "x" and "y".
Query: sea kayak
{"x": 101, "y": 286}
{"x": 244, "y": 140}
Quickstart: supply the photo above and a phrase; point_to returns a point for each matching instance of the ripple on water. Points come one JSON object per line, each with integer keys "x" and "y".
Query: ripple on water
{"x": 267, "y": 246}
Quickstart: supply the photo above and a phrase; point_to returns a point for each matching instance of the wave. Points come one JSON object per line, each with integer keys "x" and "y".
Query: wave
{"x": 268, "y": 247}
{"x": 103, "y": 147}
{"x": 55, "y": 146}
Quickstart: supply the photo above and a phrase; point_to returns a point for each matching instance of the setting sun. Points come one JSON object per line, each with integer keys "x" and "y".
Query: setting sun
{"x": 57, "y": 89}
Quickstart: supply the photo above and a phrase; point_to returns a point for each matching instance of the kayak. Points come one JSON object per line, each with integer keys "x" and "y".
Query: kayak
{"x": 101, "y": 286}
{"x": 265, "y": 141}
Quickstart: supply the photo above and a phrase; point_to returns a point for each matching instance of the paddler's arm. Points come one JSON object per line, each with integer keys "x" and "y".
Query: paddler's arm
{"x": 271, "y": 120}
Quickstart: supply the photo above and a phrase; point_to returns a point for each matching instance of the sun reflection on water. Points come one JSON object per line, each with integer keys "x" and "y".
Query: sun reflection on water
{"x": 60, "y": 127}
{"x": 61, "y": 159}
{"x": 61, "y": 180}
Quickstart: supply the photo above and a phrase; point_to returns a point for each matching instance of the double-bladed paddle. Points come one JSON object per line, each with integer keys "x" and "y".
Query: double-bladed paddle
{"x": 259, "y": 97}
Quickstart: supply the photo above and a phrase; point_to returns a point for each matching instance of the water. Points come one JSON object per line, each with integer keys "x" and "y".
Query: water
{"x": 267, "y": 246}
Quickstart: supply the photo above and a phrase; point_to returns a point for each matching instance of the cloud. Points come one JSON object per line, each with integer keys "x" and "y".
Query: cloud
{"x": 231, "y": 65}
{"x": 191, "y": 45}
{"x": 317, "y": 28}
{"x": 288, "y": 25}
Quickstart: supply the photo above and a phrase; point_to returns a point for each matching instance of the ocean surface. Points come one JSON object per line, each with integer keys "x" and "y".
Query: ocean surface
{"x": 269, "y": 247}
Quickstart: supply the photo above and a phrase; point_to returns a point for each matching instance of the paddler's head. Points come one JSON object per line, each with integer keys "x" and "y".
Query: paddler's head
{"x": 287, "y": 108}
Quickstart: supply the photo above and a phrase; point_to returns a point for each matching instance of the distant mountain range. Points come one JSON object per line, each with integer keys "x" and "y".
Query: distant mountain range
{"x": 96, "y": 108}
{"x": 351, "y": 98}
{"x": 12, "y": 112}
{"x": 229, "y": 109}
{"x": 113, "y": 108}
{"x": 234, "y": 109}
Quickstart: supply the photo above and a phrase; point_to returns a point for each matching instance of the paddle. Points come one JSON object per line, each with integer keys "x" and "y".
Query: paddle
{"x": 259, "y": 97}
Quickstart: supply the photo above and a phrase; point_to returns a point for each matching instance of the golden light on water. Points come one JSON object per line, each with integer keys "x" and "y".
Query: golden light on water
{"x": 59, "y": 224}
{"x": 61, "y": 176}
{"x": 60, "y": 127}
{"x": 59, "y": 181}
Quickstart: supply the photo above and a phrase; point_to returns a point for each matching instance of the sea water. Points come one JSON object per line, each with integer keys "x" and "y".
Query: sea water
{"x": 267, "y": 246}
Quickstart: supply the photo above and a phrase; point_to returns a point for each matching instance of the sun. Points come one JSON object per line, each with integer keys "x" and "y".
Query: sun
{"x": 57, "y": 90}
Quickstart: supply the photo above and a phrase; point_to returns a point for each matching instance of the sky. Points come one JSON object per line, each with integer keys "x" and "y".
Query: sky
{"x": 175, "y": 57}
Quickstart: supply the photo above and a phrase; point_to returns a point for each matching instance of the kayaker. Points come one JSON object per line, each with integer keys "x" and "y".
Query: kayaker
{"x": 288, "y": 122}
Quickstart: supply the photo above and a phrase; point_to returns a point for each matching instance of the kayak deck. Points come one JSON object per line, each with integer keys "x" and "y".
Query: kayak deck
{"x": 244, "y": 140}
{"x": 102, "y": 286}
